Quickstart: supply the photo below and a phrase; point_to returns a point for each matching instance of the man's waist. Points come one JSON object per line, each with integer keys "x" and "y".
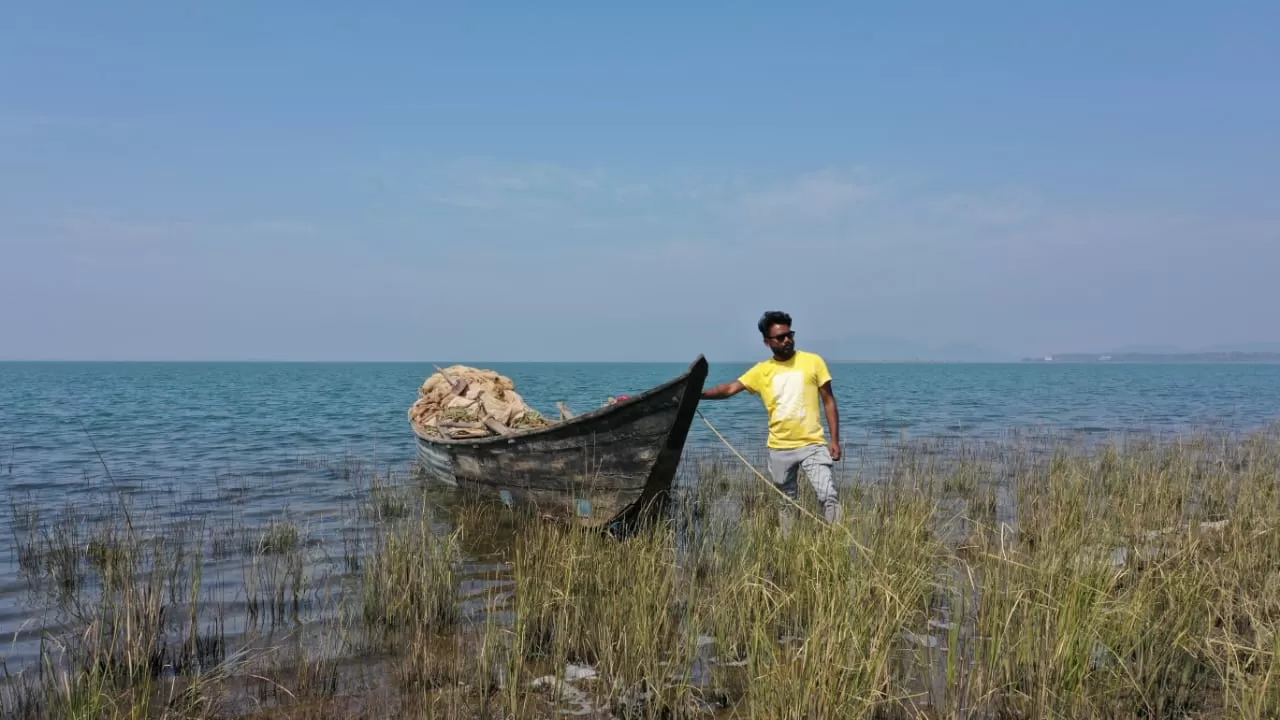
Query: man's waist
{"x": 784, "y": 442}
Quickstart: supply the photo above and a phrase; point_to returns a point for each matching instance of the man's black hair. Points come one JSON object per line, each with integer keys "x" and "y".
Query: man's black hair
{"x": 771, "y": 318}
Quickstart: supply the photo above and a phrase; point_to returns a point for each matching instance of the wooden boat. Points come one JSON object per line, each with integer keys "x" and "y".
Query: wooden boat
{"x": 611, "y": 465}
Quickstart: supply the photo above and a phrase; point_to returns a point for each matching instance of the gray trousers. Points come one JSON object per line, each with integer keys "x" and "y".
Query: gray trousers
{"x": 815, "y": 460}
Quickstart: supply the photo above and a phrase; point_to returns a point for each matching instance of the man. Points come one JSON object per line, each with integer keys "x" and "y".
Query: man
{"x": 790, "y": 384}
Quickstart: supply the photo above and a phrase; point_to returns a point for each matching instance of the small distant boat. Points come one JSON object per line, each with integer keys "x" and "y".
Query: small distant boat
{"x": 612, "y": 465}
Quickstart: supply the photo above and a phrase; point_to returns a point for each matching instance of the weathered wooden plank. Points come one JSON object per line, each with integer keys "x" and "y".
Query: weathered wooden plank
{"x": 494, "y": 425}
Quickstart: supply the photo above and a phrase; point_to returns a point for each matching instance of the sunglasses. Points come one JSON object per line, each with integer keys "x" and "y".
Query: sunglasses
{"x": 783, "y": 336}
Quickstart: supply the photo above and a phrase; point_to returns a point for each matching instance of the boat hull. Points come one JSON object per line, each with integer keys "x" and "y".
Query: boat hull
{"x": 613, "y": 464}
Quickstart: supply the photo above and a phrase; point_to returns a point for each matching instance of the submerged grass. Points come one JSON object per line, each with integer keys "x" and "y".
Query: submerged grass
{"x": 1134, "y": 580}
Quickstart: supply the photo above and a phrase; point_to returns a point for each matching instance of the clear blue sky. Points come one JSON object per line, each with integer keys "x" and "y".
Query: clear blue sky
{"x": 407, "y": 181}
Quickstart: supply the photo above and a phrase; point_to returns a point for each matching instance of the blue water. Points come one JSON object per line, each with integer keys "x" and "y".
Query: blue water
{"x": 188, "y": 421}
{"x": 215, "y": 437}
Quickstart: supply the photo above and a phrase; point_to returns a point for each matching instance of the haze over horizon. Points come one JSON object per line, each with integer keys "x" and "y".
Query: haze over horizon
{"x": 603, "y": 183}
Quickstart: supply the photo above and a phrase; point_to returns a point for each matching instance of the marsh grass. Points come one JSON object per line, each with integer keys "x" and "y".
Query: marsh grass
{"x": 411, "y": 578}
{"x": 1130, "y": 580}
{"x": 135, "y": 636}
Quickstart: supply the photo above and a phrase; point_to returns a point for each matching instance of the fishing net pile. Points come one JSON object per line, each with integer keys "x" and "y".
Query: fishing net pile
{"x": 466, "y": 402}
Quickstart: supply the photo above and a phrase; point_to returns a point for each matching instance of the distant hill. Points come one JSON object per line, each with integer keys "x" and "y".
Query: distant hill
{"x": 1143, "y": 357}
{"x": 1254, "y": 347}
{"x": 1155, "y": 350}
{"x": 1259, "y": 347}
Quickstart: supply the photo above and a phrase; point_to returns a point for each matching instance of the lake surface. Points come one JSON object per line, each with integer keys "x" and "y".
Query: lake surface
{"x": 187, "y": 421}
{"x": 252, "y": 439}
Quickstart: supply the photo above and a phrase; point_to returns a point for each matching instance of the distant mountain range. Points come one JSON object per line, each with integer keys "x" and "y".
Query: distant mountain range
{"x": 1171, "y": 355}
{"x": 1257, "y": 347}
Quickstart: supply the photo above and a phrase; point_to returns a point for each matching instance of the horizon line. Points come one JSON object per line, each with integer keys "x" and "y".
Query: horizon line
{"x": 903, "y": 361}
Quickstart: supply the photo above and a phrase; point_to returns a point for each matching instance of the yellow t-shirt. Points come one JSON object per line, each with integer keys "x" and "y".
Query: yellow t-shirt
{"x": 790, "y": 394}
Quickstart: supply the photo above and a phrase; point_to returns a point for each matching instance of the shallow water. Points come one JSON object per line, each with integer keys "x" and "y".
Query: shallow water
{"x": 237, "y": 445}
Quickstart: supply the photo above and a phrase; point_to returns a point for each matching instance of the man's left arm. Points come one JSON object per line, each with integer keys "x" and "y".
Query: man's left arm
{"x": 833, "y": 417}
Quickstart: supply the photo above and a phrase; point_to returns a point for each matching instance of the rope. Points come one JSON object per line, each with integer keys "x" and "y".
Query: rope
{"x": 865, "y": 551}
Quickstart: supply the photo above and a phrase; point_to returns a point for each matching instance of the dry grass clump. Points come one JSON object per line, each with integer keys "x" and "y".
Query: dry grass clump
{"x": 1132, "y": 583}
{"x": 582, "y": 598}
{"x": 410, "y": 578}
{"x": 809, "y": 623}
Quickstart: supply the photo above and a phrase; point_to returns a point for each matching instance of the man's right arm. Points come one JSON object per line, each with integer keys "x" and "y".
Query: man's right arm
{"x": 723, "y": 390}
